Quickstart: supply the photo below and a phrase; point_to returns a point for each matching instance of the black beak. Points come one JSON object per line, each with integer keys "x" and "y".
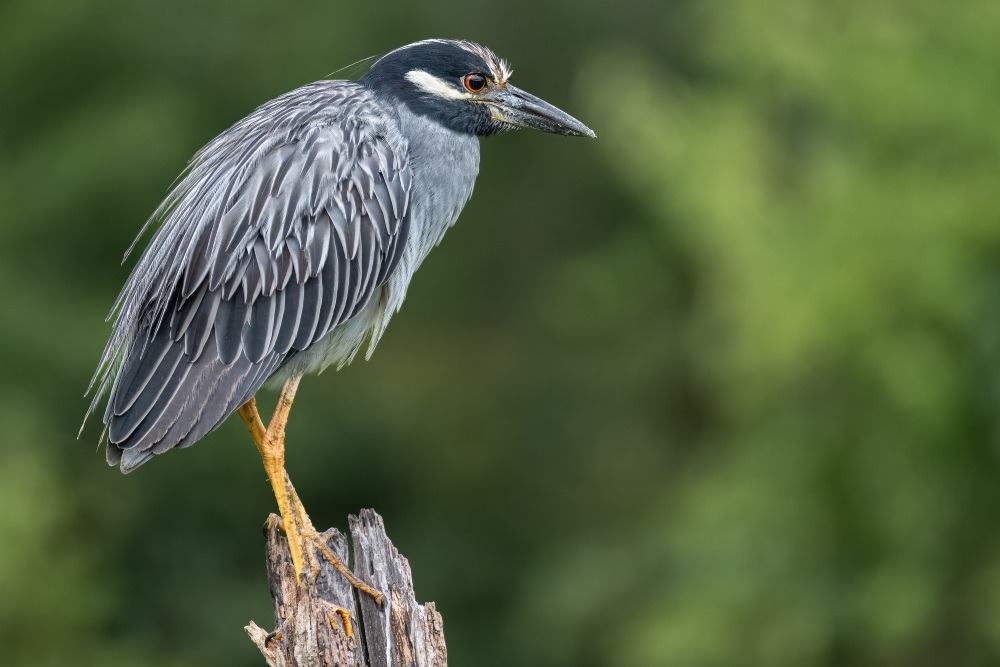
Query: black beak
{"x": 517, "y": 107}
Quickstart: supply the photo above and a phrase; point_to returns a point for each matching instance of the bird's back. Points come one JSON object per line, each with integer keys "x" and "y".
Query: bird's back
{"x": 283, "y": 229}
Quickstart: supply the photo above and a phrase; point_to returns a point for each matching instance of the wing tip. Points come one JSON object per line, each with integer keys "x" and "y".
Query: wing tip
{"x": 127, "y": 459}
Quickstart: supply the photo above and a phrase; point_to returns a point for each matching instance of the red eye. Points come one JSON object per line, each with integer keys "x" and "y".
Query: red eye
{"x": 475, "y": 83}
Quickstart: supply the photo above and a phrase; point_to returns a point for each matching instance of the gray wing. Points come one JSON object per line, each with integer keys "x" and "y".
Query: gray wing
{"x": 306, "y": 232}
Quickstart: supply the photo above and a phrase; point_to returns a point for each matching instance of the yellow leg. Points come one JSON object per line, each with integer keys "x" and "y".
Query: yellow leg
{"x": 295, "y": 522}
{"x": 271, "y": 445}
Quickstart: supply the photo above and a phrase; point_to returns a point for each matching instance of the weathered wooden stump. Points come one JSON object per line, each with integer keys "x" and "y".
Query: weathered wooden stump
{"x": 323, "y": 622}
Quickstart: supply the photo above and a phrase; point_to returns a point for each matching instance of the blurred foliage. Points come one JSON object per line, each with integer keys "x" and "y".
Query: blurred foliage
{"x": 719, "y": 388}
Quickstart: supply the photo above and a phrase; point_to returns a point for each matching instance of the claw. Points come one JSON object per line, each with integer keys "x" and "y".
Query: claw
{"x": 345, "y": 619}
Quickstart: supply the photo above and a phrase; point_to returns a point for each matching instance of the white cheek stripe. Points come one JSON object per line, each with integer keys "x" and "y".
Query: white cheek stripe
{"x": 433, "y": 85}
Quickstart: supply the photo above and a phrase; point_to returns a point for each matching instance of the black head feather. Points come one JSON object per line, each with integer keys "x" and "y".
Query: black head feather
{"x": 448, "y": 61}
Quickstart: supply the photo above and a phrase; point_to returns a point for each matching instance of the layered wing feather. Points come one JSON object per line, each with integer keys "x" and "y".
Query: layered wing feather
{"x": 283, "y": 229}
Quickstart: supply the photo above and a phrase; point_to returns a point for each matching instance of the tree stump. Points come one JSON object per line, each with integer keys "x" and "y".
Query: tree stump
{"x": 324, "y": 622}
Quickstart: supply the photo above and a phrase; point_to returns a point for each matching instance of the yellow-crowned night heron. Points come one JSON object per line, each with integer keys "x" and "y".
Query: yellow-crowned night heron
{"x": 291, "y": 240}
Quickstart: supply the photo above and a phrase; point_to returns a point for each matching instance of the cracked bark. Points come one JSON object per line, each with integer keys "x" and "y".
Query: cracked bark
{"x": 324, "y": 622}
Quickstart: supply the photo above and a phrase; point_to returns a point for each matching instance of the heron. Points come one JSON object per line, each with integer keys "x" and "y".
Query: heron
{"x": 288, "y": 243}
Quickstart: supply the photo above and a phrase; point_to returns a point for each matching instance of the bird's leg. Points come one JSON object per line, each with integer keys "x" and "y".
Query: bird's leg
{"x": 295, "y": 522}
{"x": 271, "y": 445}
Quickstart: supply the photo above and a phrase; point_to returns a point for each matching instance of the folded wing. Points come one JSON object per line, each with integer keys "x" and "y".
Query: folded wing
{"x": 305, "y": 232}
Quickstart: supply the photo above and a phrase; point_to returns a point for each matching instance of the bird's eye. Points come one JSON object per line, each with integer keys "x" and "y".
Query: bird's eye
{"x": 475, "y": 83}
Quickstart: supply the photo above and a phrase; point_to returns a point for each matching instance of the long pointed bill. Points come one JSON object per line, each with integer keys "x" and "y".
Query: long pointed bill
{"x": 517, "y": 107}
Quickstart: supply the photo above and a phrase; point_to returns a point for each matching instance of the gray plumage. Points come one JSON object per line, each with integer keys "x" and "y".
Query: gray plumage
{"x": 292, "y": 238}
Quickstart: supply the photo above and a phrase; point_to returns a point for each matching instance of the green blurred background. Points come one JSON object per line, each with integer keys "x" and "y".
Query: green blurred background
{"x": 718, "y": 388}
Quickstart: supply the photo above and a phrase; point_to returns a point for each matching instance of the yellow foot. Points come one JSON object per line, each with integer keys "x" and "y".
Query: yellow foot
{"x": 311, "y": 537}
{"x": 314, "y": 538}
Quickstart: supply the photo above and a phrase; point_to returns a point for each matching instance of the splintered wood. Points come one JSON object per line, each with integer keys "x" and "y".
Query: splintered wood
{"x": 324, "y": 622}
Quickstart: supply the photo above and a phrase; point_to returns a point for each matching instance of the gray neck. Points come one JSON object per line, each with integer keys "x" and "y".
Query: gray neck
{"x": 445, "y": 165}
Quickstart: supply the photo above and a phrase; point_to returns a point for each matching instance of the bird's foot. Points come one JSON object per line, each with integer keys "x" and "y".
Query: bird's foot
{"x": 312, "y": 541}
{"x": 312, "y": 537}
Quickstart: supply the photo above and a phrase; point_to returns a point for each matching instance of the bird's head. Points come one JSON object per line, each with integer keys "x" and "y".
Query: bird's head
{"x": 465, "y": 87}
